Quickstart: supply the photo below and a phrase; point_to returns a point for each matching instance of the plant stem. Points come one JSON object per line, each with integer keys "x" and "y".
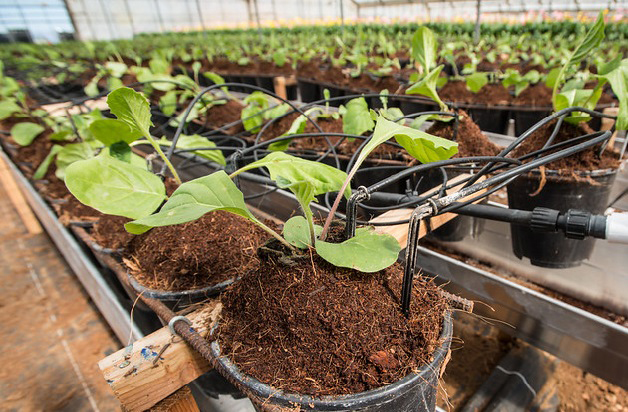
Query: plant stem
{"x": 332, "y": 211}
{"x": 275, "y": 235}
{"x": 163, "y": 156}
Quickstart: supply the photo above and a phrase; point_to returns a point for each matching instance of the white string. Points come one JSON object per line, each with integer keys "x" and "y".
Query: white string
{"x": 525, "y": 382}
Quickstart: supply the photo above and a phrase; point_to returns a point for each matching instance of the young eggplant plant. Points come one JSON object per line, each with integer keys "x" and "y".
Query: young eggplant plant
{"x": 116, "y": 181}
{"x": 306, "y": 179}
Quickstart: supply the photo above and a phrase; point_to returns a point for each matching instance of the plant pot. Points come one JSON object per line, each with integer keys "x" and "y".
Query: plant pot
{"x": 308, "y": 90}
{"x": 525, "y": 119}
{"x": 415, "y": 392}
{"x": 491, "y": 120}
{"x": 554, "y": 250}
{"x": 411, "y": 106}
{"x": 178, "y": 300}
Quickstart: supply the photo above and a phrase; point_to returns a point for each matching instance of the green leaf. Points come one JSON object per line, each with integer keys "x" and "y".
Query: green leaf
{"x": 168, "y": 103}
{"x": 130, "y": 107}
{"x": 592, "y": 40}
{"x": 25, "y": 133}
{"x": 45, "y": 164}
{"x": 115, "y": 187}
{"x": 251, "y": 117}
{"x": 357, "y": 119}
{"x": 62, "y": 135}
{"x": 196, "y": 141}
{"x": 194, "y": 199}
{"x": 552, "y": 77}
{"x": 116, "y": 69}
{"x": 427, "y": 87}
{"x": 367, "y": 251}
{"x": 72, "y": 153}
{"x": 293, "y": 172}
{"x": 617, "y": 76}
{"x": 110, "y": 131}
{"x": 7, "y": 108}
{"x": 296, "y": 231}
{"x": 424, "y": 48}
{"x": 91, "y": 89}
{"x": 121, "y": 151}
{"x": 476, "y": 81}
{"x": 422, "y": 146}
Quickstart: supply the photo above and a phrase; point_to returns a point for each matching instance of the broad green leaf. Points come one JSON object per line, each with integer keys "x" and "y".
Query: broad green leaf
{"x": 161, "y": 82}
{"x": 168, "y": 103}
{"x": 617, "y": 76}
{"x": 424, "y": 48}
{"x": 296, "y": 231}
{"x": 159, "y": 66}
{"x": 592, "y": 40}
{"x": 251, "y": 117}
{"x": 357, "y": 119}
{"x": 194, "y": 199}
{"x": 110, "y": 131}
{"x": 116, "y": 69}
{"x": 196, "y": 141}
{"x": 476, "y": 81}
{"x": 420, "y": 145}
{"x": 72, "y": 153}
{"x": 62, "y": 135}
{"x": 25, "y": 133}
{"x": 114, "y": 83}
{"x": 367, "y": 251}
{"x": 7, "y": 108}
{"x": 130, "y": 107}
{"x": 291, "y": 172}
{"x": 115, "y": 187}
{"x": 92, "y": 87}
{"x": 552, "y": 76}
{"x": 121, "y": 151}
{"x": 427, "y": 87}
{"x": 45, "y": 164}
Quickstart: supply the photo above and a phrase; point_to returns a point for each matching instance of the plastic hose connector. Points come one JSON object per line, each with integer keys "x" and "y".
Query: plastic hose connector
{"x": 577, "y": 224}
{"x": 543, "y": 219}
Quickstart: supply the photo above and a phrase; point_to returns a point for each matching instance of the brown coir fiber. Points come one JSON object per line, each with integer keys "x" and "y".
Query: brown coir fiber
{"x": 109, "y": 232}
{"x": 193, "y": 255}
{"x": 581, "y": 161}
{"x": 471, "y": 140}
{"x": 317, "y": 329}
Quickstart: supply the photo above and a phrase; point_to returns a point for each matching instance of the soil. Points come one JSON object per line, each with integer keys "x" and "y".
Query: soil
{"x": 316, "y": 329}
{"x": 318, "y": 144}
{"x": 490, "y": 267}
{"x": 538, "y": 95}
{"x": 471, "y": 140}
{"x": 223, "y": 114}
{"x": 456, "y": 91}
{"x": 109, "y": 232}
{"x": 581, "y": 391}
{"x": 493, "y": 94}
{"x": 582, "y": 161}
{"x": 207, "y": 251}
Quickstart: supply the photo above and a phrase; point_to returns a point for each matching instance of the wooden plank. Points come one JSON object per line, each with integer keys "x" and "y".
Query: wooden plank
{"x": 608, "y": 123}
{"x": 180, "y": 401}
{"x": 400, "y": 232}
{"x": 17, "y": 198}
{"x": 279, "y": 83}
{"x": 152, "y": 368}
{"x": 59, "y": 109}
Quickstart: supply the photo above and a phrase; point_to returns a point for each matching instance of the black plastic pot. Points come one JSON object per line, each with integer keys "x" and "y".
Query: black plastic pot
{"x": 416, "y": 392}
{"x": 525, "y": 119}
{"x": 308, "y": 90}
{"x": 554, "y": 250}
{"x": 411, "y": 106}
{"x": 180, "y": 299}
{"x": 491, "y": 120}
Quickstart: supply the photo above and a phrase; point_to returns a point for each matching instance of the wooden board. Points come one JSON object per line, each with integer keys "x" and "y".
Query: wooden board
{"x": 60, "y": 109}
{"x": 400, "y": 232}
{"x": 17, "y": 198}
{"x": 154, "y": 367}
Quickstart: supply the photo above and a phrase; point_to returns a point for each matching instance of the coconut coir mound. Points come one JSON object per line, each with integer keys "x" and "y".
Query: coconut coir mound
{"x": 319, "y": 330}
{"x": 223, "y": 114}
{"x": 471, "y": 140}
{"x": 212, "y": 249}
{"x": 582, "y": 161}
{"x": 319, "y": 144}
{"x": 109, "y": 232}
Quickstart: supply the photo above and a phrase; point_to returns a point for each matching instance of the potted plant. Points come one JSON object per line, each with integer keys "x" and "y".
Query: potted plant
{"x": 581, "y": 181}
{"x": 312, "y": 287}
